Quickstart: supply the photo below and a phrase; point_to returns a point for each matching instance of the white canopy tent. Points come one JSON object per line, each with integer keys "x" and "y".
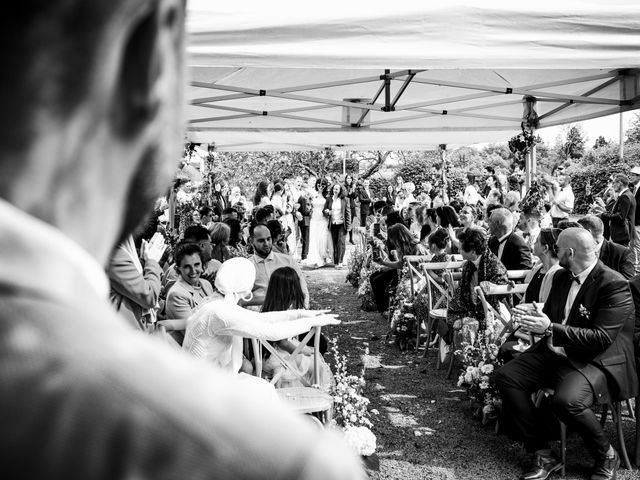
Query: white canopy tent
{"x": 284, "y": 75}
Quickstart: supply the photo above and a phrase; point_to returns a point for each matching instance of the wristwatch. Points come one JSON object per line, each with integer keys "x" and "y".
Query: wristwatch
{"x": 548, "y": 332}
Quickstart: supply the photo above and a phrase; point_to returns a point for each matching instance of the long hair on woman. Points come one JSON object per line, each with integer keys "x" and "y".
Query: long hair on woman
{"x": 447, "y": 216}
{"x": 261, "y": 191}
{"x": 284, "y": 291}
{"x": 401, "y": 239}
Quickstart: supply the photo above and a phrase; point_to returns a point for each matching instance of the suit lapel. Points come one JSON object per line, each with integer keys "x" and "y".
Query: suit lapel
{"x": 583, "y": 289}
{"x": 562, "y": 286}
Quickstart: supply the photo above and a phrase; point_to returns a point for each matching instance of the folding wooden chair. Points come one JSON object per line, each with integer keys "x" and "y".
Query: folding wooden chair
{"x": 306, "y": 399}
{"x": 504, "y": 316}
{"x": 438, "y": 291}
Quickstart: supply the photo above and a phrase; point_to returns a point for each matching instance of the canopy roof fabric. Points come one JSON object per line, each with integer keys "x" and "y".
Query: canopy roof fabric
{"x": 285, "y": 76}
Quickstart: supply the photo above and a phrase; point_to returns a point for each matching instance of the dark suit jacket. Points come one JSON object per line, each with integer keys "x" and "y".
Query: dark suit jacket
{"x": 598, "y": 334}
{"x": 622, "y": 218}
{"x": 634, "y": 284}
{"x": 346, "y": 212}
{"x": 516, "y": 254}
{"x": 618, "y": 258}
{"x": 365, "y": 201}
{"x": 637, "y": 197}
{"x": 305, "y": 209}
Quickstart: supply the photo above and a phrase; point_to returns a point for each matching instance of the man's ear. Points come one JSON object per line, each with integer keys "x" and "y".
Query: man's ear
{"x": 140, "y": 70}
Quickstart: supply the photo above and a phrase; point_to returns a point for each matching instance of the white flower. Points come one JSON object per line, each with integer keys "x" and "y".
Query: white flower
{"x": 361, "y": 439}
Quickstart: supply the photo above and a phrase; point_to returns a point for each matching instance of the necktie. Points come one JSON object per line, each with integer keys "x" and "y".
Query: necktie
{"x": 574, "y": 278}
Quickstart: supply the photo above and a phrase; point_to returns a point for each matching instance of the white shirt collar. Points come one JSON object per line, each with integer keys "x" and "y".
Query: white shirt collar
{"x": 585, "y": 273}
{"x": 37, "y": 256}
{"x": 504, "y": 237}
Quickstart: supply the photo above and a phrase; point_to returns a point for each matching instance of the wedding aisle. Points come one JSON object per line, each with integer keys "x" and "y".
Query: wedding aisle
{"x": 424, "y": 425}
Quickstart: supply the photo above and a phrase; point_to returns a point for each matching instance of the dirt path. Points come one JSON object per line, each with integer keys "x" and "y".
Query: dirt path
{"x": 424, "y": 428}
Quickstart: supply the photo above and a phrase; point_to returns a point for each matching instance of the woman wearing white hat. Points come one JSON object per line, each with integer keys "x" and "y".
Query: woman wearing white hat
{"x": 215, "y": 331}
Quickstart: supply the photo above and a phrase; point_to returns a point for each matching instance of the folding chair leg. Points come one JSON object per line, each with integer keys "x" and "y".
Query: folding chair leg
{"x": 452, "y": 357}
{"x": 637, "y": 452}
{"x": 617, "y": 418}
{"x": 426, "y": 343}
{"x": 563, "y": 448}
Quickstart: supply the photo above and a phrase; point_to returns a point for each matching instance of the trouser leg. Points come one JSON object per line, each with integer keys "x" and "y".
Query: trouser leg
{"x": 342, "y": 244}
{"x": 517, "y": 380}
{"x": 335, "y": 229}
{"x": 572, "y": 404}
{"x": 304, "y": 235}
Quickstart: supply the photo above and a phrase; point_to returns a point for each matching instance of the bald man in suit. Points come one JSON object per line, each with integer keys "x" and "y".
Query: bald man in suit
{"x": 586, "y": 355}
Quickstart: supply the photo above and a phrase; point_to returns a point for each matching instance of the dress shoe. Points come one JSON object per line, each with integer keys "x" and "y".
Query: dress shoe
{"x": 545, "y": 462}
{"x": 607, "y": 468}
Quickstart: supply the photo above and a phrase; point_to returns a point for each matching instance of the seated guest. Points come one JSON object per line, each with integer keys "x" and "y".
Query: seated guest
{"x": 284, "y": 293}
{"x": 189, "y": 291}
{"x": 614, "y": 256}
{"x": 236, "y": 246}
{"x": 215, "y": 330}
{"x": 532, "y": 228}
{"x": 510, "y": 248}
{"x": 266, "y": 260}
{"x": 481, "y": 266}
{"x": 229, "y": 212}
{"x": 263, "y": 215}
{"x": 277, "y": 237}
{"x": 400, "y": 243}
{"x": 220, "y": 234}
{"x": 541, "y": 276}
{"x": 586, "y": 356}
{"x": 200, "y": 236}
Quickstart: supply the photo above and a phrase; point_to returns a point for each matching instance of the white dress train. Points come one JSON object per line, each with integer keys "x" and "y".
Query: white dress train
{"x": 320, "y": 245}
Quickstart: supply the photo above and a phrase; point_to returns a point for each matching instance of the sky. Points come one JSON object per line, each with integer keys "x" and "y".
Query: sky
{"x": 608, "y": 127}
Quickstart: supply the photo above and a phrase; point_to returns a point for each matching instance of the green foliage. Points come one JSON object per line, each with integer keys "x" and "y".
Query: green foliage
{"x": 633, "y": 133}
{"x": 573, "y": 145}
{"x": 600, "y": 142}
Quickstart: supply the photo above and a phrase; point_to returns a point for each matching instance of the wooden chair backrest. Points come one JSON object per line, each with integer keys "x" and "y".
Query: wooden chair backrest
{"x": 507, "y": 322}
{"x": 259, "y": 344}
{"x": 445, "y": 290}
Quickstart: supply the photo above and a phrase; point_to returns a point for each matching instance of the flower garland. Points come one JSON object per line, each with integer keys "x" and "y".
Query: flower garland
{"x": 364, "y": 285}
{"x": 351, "y": 406}
{"x": 355, "y": 263}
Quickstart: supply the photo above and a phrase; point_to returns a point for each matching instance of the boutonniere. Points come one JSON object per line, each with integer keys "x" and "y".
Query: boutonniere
{"x": 584, "y": 312}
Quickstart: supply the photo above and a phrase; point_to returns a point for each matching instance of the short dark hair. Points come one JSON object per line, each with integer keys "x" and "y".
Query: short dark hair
{"x": 196, "y": 233}
{"x": 255, "y": 225}
{"x": 275, "y": 227}
{"x": 236, "y": 227}
{"x": 473, "y": 240}
{"x": 262, "y": 214}
{"x": 229, "y": 211}
{"x": 549, "y": 237}
{"x": 387, "y": 209}
{"x": 185, "y": 249}
{"x": 564, "y": 224}
{"x": 592, "y": 223}
{"x": 205, "y": 211}
{"x": 394, "y": 218}
{"x": 493, "y": 206}
{"x": 379, "y": 205}
{"x": 425, "y": 231}
{"x": 622, "y": 179}
{"x": 439, "y": 238}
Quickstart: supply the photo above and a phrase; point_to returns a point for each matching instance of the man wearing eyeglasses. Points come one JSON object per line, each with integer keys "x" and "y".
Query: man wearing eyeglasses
{"x": 586, "y": 356}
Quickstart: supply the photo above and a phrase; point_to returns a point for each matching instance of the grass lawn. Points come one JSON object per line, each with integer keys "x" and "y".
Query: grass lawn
{"x": 425, "y": 428}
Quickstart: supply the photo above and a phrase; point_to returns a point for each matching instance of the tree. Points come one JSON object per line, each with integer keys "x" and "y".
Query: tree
{"x": 600, "y": 142}
{"x": 633, "y": 133}
{"x": 573, "y": 146}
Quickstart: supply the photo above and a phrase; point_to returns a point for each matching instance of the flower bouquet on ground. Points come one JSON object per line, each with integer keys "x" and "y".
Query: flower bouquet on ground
{"x": 355, "y": 263}
{"x": 480, "y": 360}
{"x": 351, "y": 406}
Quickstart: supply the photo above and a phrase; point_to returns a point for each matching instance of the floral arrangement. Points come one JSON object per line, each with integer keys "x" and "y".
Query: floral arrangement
{"x": 534, "y": 200}
{"x": 521, "y": 144}
{"x": 364, "y": 286}
{"x": 351, "y": 406}
{"x": 480, "y": 360}
{"x": 355, "y": 264}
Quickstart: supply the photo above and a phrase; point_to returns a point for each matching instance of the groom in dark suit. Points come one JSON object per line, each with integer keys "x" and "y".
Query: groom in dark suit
{"x": 586, "y": 355}
{"x": 364, "y": 195}
{"x": 510, "y": 248}
{"x": 622, "y": 216}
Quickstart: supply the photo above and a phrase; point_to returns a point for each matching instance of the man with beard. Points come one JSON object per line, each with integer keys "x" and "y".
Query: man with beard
{"x": 586, "y": 355}
{"x": 90, "y": 135}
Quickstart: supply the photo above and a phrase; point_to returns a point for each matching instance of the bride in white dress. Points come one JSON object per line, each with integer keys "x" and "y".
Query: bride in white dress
{"x": 320, "y": 245}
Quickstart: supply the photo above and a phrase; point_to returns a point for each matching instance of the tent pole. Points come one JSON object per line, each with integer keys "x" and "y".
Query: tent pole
{"x": 621, "y": 147}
